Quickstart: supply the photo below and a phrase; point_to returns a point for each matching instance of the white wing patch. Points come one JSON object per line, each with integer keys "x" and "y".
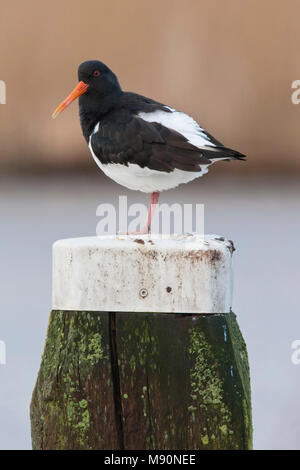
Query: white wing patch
{"x": 181, "y": 123}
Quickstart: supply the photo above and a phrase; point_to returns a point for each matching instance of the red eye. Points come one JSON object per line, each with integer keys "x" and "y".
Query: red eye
{"x": 96, "y": 73}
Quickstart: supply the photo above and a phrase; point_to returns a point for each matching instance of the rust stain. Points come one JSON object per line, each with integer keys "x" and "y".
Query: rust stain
{"x": 208, "y": 256}
{"x": 215, "y": 255}
{"x": 139, "y": 240}
{"x": 150, "y": 254}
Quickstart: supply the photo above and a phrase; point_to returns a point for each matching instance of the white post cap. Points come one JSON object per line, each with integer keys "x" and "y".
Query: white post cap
{"x": 183, "y": 274}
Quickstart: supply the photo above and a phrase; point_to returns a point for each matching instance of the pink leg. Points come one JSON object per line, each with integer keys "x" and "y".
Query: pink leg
{"x": 153, "y": 202}
{"x": 146, "y": 228}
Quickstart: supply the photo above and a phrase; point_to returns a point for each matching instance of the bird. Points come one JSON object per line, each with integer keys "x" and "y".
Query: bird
{"x": 138, "y": 142}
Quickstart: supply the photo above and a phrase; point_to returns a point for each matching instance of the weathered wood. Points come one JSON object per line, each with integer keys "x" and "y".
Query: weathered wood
{"x": 73, "y": 405}
{"x": 114, "y": 380}
{"x": 184, "y": 382}
{"x": 142, "y": 381}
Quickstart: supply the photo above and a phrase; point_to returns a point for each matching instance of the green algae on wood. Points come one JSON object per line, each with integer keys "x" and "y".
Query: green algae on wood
{"x": 187, "y": 382}
{"x": 72, "y": 405}
{"x": 173, "y": 381}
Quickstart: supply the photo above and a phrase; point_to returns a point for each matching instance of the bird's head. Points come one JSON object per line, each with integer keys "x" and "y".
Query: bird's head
{"x": 96, "y": 83}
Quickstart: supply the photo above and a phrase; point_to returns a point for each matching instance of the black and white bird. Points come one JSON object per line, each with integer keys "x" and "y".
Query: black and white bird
{"x": 138, "y": 142}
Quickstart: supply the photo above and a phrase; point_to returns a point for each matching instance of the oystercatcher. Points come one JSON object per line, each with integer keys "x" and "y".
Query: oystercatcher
{"x": 138, "y": 142}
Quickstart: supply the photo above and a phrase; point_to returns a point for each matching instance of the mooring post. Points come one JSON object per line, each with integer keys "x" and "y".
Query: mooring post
{"x": 142, "y": 349}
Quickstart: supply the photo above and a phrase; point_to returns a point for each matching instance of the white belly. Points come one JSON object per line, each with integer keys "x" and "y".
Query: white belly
{"x": 146, "y": 180}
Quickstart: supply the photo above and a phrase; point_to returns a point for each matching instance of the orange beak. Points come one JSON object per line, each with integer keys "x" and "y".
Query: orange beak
{"x": 79, "y": 90}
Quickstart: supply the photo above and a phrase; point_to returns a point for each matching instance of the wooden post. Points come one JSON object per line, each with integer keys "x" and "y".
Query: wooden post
{"x": 142, "y": 349}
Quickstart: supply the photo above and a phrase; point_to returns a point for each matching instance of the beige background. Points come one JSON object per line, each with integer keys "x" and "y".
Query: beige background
{"x": 229, "y": 63}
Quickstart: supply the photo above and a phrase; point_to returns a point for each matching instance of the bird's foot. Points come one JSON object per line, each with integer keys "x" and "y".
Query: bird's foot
{"x": 144, "y": 231}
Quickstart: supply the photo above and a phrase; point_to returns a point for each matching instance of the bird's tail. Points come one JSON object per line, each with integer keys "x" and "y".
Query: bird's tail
{"x": 219, "y": 152}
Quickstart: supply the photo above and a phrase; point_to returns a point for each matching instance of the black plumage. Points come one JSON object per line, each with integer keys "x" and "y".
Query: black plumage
{"x": 123, "y": 137}
{"x": 138, "y": 142}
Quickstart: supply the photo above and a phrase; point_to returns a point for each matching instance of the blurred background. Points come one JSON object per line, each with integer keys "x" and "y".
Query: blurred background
{"x": 230, "y": 64}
